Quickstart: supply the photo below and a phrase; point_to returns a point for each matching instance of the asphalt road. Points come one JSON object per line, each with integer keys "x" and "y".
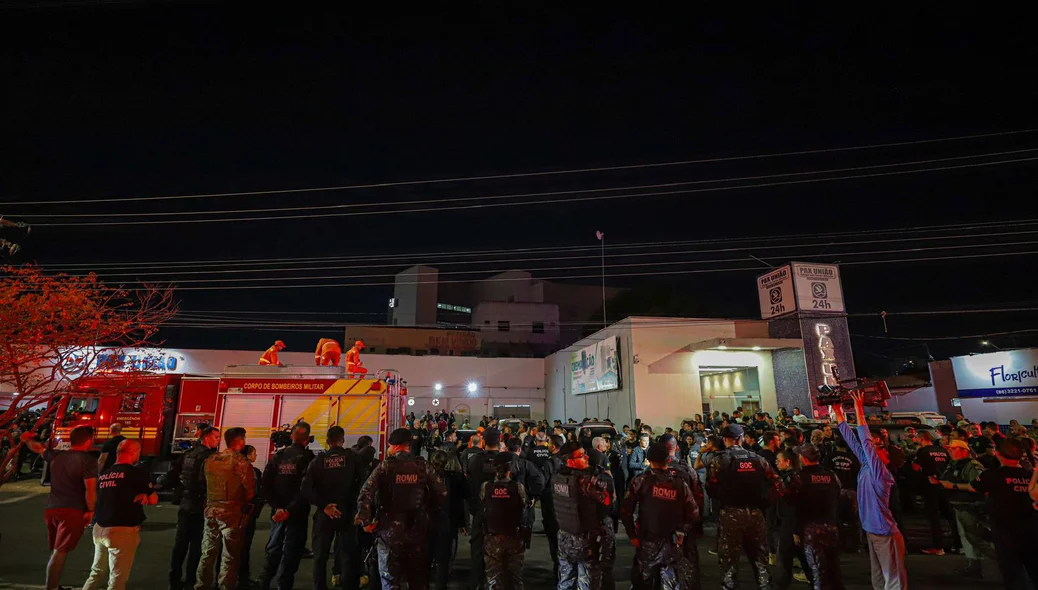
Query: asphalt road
{"x": 23, "y": 553}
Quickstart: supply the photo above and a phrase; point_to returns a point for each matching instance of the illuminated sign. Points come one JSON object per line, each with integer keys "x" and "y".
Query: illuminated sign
{"x": 830, "y": 372}
{"x": 818, "y": 287}
{"x": 392, "y": 302}
{"x": 1007, "y": 373}
{"x": 449, "y": 307}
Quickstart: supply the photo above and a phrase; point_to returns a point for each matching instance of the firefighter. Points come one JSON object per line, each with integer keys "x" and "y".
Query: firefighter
{"x": 689, "y": 549}
{"x": 353, "y": 362}
{"x": 545, "y": 460}
{"x": 328, "y": 352}
{"x": 282, "y": 479}
{"x": 395, "y": 504}
{"x": 190, "y": 518}
{"x": 739, "y": 480}
{"x": 230, "y": 485}
{"x": 577, "y": 494}
{"x": 667, "y": 514}
{"x": 815, "y": 494}
{"x": 479, "y": 471}
{"x": 504, "y": 504}
{"x": 270, "y": 357}
{"x": 331, "y": 483}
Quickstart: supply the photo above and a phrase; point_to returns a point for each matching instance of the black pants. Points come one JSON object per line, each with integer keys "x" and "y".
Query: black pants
{"x": 936, "y": 506}
{"x": 1014, "y": 551}
{"x": 850, "y": 524}
{"x": 478, "y": 578}
{"x": 244, "y": 562}
{"x": 444, "y": 538}
{"x": 284, "y": 551}
{"x": 187, "y": 547}
{"x": 343, "y": 533}
{"x": 785, "y": 551}
{"x": 551, "y": 529}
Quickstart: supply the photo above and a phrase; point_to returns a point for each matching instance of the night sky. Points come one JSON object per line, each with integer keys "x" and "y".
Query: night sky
{"x": 144, "y": 99}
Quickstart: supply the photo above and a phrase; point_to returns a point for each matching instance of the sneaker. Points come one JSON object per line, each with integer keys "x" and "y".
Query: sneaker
{"x": 933, "y": 551}
{"x": 800, "y": 577}
{"x": 711, "y": 552}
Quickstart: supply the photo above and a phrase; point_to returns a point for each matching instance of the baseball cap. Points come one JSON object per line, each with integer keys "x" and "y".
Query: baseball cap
{"x": 958, "y": 444}
{"x": 732, "y": 431}
{"x": 400, "y": 436}
{"x": 809, "y": 452}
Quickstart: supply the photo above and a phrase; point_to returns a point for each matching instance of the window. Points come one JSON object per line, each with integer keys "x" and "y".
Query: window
{"x": 82, "y": 405}
{"x": 133, "y": 403}
{"x": 503, "y": 326}
{"x": 538, "y": 327}
{"x": 449, "y": 307}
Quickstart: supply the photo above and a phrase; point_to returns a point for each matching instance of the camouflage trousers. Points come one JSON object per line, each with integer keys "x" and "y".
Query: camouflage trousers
{"x": 656, "y": 565}
{"x": 222, "y": 539}
{"x": 504, "y": 556}
{"x": 403, "y": 564}
{"x": 742, "y": 529}
{"x": 822, "y": 548}
{"x": 579, "y": 566}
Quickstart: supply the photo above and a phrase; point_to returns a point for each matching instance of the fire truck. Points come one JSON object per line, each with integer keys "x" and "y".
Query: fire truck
{"x": 162, "y": 410}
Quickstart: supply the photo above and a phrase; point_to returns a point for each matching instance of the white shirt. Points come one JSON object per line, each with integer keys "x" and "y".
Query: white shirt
{"x": 800, "y": 418}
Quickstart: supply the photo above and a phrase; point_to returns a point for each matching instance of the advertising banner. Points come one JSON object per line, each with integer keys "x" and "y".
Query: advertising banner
{"x": 775, "y": 291}
{"x": 595, "y": 367}
{"x": 1007, "y": 373}
{"x": 818, "y": 287}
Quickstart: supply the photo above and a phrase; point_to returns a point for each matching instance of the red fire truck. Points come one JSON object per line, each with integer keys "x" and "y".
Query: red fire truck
{"x": 162, "y": 410}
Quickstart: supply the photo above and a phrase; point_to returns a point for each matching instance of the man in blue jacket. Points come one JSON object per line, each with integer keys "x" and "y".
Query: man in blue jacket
{"x": 638, "y": 461}
{"x": 886, "y": 545}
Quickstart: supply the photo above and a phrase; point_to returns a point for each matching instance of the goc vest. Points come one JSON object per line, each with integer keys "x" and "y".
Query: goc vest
{"x": 504, "y": 508}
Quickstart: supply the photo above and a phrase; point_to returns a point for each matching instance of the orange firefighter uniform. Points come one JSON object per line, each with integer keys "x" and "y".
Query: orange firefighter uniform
{"x": 353, "y": 362}
{"x": 328, "y": 352}
{"x": 270, "y": 357}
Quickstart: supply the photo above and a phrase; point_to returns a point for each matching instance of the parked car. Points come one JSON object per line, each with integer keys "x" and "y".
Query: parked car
{"x": 931, "y": 418}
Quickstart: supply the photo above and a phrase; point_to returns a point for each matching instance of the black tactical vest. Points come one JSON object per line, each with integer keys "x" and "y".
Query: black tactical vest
{"x": 503, "y": 508}
{"x": 742, "y": 479}
{"x": 574, "y": 511}
{"x": 402, "y": 488}
{"x": 660, "y": 506}
{"x": 192, "y": 478}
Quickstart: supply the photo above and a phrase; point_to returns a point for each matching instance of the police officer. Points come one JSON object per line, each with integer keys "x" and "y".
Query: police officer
{"x": 282, "y": 479}
{"x": 1014, "y": 521}
{"x": 667, "y": 515}
{"x": 230, "y": 485}
{"x": 930, "y": 463}
{"x": 962, "y": 471}
{"x": 190, "y": 518}
{"x": 842, "y": 462}
{"x": 504, "y": 503}
{"x": 741, "y": 482}
{"x": 815, "y": 492}
{"x": 395, "y": 504}
{"x": 479, "y": 471}
{"x": 607, "y": 546}
{"x": 533, "y": 481}
{"x": 578, "y": 493}
{"x": 544, "y": 455}
{"x": 682, "y": 470}
{"x": 331, "y": 483}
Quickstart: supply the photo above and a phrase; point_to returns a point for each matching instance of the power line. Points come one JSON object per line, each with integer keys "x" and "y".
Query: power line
{"x": 526, "y": 203}
{"x": 527, "y": 174}
{"x": 589, "y": 256}
{"x": 938, "y": 338}
{"x": 754, "y": 268}
{"x": 383, "y": 204}
{"x": 587, "y": 267}
{"x": 534, "y": 250}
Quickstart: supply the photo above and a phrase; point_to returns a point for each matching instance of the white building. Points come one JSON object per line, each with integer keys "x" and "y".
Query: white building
{"x": 671, "y": 369}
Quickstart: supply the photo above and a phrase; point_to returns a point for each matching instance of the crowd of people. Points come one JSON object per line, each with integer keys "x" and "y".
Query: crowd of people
{"x": 776, "y": 489}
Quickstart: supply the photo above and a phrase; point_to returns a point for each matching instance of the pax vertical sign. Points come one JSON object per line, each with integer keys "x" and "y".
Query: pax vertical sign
{"x": 775, "y": 291}
{"x": 818, "y": 287}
